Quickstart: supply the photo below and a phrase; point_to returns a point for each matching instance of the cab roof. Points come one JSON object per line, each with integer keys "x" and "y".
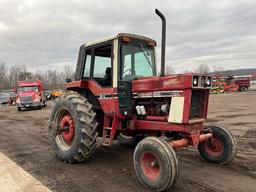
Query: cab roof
{"x": 112, "y": 37}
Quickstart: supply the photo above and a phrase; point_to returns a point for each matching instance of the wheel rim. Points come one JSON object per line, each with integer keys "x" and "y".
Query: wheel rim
{"x": 67, "y": 123}
{"x": 67, "y": 129}
{"x": 214, "y": 147}
{"x": 150, "y": 165}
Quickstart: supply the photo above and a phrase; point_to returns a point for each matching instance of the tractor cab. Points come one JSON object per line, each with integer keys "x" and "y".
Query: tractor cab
{"x": 123, "y": 57}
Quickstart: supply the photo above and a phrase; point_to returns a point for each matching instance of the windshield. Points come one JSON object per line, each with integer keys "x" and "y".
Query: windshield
{"x": 137, "y": 60}
{"x": 28, "y": 88}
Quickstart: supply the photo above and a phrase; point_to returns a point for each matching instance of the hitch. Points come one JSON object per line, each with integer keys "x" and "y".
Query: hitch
{"x": 62, "y": 129}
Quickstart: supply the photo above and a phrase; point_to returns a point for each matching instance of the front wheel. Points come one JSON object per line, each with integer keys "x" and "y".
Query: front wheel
{"x": 155, "y": 164}
{"x": 221, "y": 148}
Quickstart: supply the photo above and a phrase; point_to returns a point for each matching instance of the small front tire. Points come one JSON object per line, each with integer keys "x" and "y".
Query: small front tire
{"x": 221, "y": 148}
{"x": 155, "y": 164}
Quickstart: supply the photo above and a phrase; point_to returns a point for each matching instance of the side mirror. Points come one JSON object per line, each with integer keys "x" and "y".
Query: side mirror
{"x": 68, "y": 80}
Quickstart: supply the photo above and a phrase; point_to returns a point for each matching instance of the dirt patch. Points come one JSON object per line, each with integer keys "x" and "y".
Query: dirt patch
{"x": 241, "y": 123}
{"x": 251, "y": 133}
{"x": 236, "y": 115}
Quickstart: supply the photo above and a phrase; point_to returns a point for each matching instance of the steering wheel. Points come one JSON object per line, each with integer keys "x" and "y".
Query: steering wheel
{"x": 128, "y": 70}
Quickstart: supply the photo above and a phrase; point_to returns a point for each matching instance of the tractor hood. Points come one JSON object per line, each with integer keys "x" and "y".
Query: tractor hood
{"x": 171, "y": 82}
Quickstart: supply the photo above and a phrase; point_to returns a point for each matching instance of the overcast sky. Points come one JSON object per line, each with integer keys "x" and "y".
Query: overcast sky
{"x": 46, "y": 34}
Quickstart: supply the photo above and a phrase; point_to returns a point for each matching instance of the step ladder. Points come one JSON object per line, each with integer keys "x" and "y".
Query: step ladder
{"x": 109, "y": 129}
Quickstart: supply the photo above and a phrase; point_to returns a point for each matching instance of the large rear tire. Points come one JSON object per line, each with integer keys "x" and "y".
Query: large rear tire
{"x": 155, "y": 164}
{"x": 221, "y": 148}
{"x": 72, "y": 128}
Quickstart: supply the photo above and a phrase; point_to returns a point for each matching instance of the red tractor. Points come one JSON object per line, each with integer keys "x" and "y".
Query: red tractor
{"x": 30, "y": 95}
{"x": 118, "y": 95}
{"x": 243, "y": 83}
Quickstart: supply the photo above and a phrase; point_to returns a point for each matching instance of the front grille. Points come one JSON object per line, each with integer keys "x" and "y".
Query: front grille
{"x": 197, "y": 104}
{"x": 26, "y": 99}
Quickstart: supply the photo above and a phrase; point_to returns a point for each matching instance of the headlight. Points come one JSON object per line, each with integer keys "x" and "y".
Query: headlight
{"x": 208, "y": 82}
{"x": 195, "y": 81}
{"x": 202, "y": 81}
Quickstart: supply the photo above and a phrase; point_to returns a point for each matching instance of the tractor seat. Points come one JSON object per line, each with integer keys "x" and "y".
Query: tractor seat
{"x": 108, "y": 77}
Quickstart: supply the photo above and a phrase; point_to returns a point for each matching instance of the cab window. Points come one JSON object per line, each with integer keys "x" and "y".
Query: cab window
{"x": 87, "y": 64}
{"x": 102, "y": 72}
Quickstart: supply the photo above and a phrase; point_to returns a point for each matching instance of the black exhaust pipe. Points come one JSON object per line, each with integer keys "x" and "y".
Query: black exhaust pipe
{"x": 163, "y": 41}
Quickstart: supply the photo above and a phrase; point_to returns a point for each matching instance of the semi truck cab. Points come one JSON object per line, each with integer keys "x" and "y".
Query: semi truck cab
{"x": 30, "y": 95}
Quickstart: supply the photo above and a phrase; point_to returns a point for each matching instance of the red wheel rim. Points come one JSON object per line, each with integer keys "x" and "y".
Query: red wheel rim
{"x": 150, "y": 165}
{"x": 214, "y": 147}
{"x": 67, "y": 124}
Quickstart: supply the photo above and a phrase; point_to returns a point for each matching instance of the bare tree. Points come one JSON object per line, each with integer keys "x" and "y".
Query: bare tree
{"x": 203, "y": 68}
{"x": 69, "y": 72}
{"x": 51, "y": 79}
{"x": 3, "y": 75}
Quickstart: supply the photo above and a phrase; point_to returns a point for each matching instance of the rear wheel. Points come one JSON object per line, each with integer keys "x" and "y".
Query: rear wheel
{"x": 221, "y": 148}
{"x": 155, "y": 164}
{"x": 72, "y": 128}
{"x": 19, "y": 108}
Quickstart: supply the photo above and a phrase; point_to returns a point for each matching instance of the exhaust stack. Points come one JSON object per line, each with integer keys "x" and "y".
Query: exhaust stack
{"x": 163, "y": 41}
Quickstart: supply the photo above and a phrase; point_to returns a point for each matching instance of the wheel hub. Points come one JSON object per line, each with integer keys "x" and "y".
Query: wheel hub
{"x": 68, "y": 128}
{"x": 214, "y": 147}
{"x": 150, "y": 165}
{"x": 154, "y": 163}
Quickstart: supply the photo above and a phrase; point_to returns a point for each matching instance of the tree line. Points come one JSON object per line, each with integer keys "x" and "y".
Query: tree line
{"x": 51, "y": 79}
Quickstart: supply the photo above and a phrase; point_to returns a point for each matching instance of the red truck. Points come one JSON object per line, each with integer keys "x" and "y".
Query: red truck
{"x": 30, "y": 95}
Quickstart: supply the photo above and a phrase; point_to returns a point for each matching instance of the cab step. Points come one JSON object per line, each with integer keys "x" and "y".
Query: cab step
{"x": 109, "y": 132}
